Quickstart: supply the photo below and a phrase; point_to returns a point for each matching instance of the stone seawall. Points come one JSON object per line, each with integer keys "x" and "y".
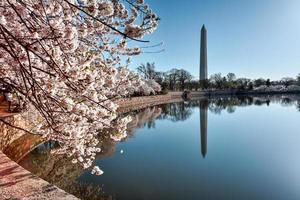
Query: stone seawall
{"x": 18, "y": 183}
{"x": 15, "y": 181}
{"x": 135, "y": 103}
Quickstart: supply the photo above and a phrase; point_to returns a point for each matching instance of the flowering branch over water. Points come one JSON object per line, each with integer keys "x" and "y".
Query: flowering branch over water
{"x": 61, "y": 60}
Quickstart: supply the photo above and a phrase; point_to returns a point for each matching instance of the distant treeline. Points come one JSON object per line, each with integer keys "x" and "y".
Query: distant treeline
{"x": 180, "y": 79}
{"x": 174, "y": 79}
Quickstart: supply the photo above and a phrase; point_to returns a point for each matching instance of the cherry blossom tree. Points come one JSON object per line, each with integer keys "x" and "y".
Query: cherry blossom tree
{"x": 62, "y": 61}
{"x": 152, "y": 87}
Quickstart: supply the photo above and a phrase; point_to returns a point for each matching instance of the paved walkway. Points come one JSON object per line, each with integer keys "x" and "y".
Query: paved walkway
{"x": 18, "y": 183}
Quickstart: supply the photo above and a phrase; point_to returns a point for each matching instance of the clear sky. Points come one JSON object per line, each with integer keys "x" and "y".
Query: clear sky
{"x": 252, "y": 38}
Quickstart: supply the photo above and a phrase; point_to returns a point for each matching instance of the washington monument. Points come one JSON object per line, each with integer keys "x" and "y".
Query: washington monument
{"x": 203, "y": 55}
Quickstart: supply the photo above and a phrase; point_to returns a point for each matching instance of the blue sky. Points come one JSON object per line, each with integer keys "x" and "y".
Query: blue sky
{"x": 252, "y": 38}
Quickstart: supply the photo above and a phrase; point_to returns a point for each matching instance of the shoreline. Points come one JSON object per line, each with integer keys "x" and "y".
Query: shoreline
{"x": 244, "y": 92}
{"x": 135, "y": 103}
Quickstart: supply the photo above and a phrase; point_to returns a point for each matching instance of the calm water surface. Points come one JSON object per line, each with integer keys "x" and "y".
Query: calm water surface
{"x": 224, "y": 148}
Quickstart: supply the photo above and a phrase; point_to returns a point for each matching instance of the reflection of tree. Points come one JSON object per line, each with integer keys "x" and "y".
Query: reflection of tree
{"x": 142, "y": 118}
{"x": 298, "y": 105}
{"x": 216, "y": 105}
{"x": 88, "y": 191}
{"x": 286, "y": 101}
{"x": 229, "y": 103}
{"x": 151, "y": 124}
{"x": 231, "y": 109}
{"x": 177, "y": 111}
{"x": 60, "y": 171}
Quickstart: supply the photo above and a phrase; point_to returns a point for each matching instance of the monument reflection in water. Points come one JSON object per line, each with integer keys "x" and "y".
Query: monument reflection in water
{"x": 203, "y": 107}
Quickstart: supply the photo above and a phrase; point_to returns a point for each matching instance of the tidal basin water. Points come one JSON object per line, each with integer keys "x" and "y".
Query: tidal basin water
{"x": 220, "y": 148}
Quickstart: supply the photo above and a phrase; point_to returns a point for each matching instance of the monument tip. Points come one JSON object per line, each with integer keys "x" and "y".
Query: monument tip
{"x": 203, "y": 26}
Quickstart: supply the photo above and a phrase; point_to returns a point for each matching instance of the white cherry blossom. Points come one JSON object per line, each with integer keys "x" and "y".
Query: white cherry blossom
{"x": 61, "y": 60}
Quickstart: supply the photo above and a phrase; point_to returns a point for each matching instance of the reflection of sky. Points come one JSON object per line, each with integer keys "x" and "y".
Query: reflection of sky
{"x": 252, "y": 154}
{"x": 260, "y": 140}
{"x": 253, "y": 38}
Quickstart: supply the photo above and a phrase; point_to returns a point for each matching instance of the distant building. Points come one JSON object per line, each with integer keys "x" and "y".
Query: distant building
{"x": 203, "y": 55}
